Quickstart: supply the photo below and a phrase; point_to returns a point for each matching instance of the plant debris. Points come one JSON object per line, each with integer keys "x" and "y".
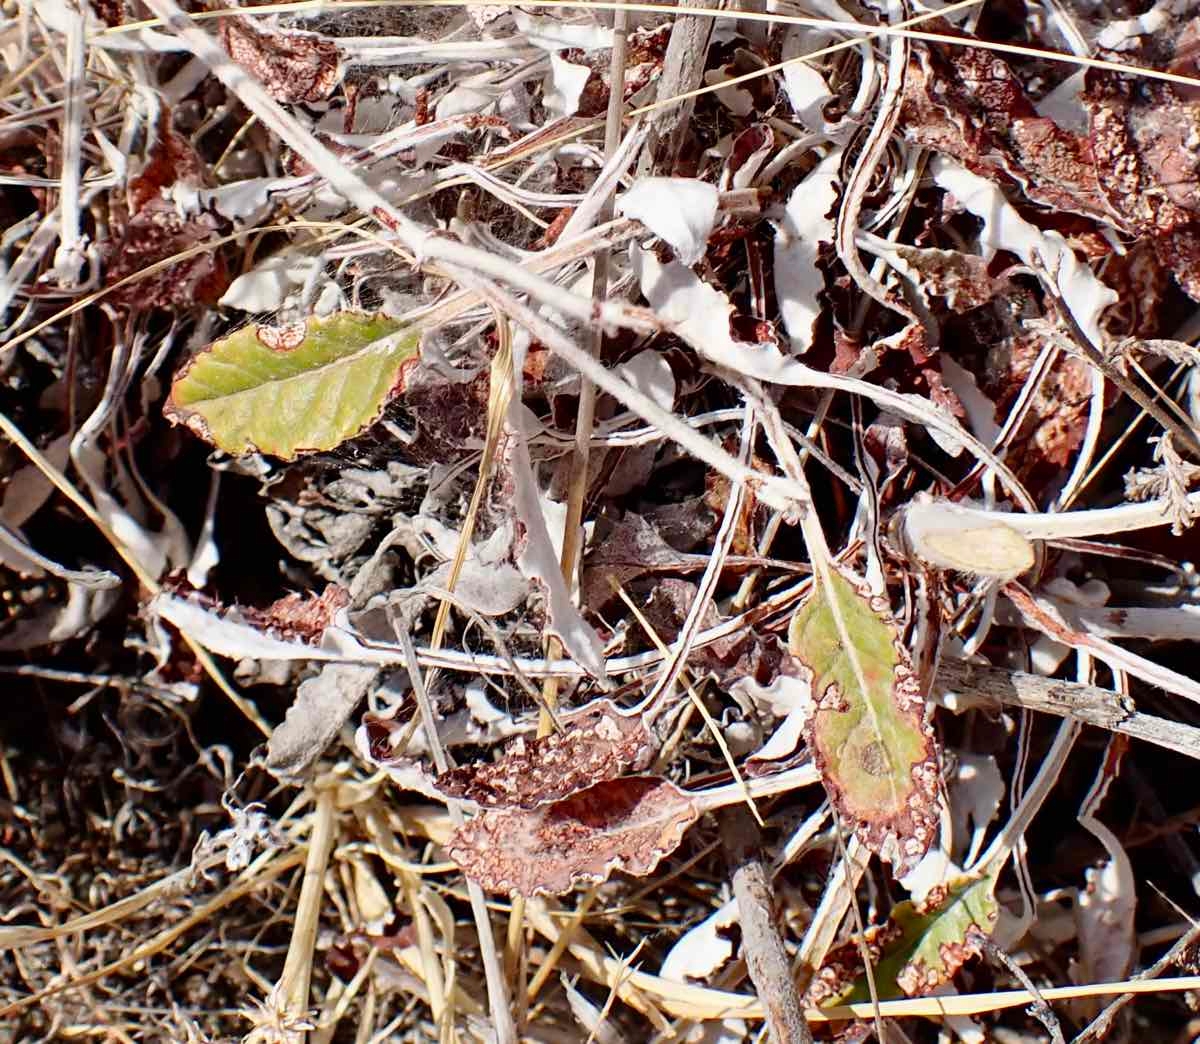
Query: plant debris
{"x": 451, "y": 455}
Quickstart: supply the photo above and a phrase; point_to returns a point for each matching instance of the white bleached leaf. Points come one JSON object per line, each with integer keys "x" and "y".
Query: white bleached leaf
{"x": 552, "y": 34}
{"x": 1064, "y": 104}
{"x": 1104, "y": 912}
{"x": 787, "y": 737}
{"x": 976, "y": 791}
{"x": 806, "y": 225}
{"x": 243, "y": 202}
{"x": 322, "y": 706}
{"x": 980, "y": 410}
{"x": 701, "y": 314}
{"x": 737, "y": 100}
{"x": 650, "y": 373}
{"x": 265, "y": 287}
{"x": 465, "y": 98}
{"x": 806, "y": 87}
{"x": 491, "y": 589}
{"x": 564, "y": 86}
{"x": 681, "y": 211}
{"x": 1047, "y": 251}
{"x": 1125, "y": 34}
{"x": 953, "y": 536}
{"x": 538, "y": 558}
{"x": 702, "y": 950}
{"x": 936, "y": 868}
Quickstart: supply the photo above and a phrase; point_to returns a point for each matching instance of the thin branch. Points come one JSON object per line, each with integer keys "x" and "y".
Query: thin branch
{"x": 766, "y": 960}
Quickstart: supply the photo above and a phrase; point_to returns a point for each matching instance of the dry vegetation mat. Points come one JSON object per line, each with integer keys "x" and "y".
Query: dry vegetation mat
{"x": 598, "y": 521}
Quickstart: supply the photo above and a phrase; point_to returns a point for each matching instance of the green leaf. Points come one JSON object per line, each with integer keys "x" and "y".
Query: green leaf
{"x": 867, "y": 729}
{"x": 925, "y": 944}
{"x": 287, "y": 390}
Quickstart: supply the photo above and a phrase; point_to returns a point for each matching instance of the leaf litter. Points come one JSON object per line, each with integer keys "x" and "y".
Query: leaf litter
{"x": 541, "y": 418}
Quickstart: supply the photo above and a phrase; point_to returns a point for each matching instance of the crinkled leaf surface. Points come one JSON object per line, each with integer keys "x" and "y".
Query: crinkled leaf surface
{"x": 287, "y": 390}
{"x": 868, "y": 730}
{"x": 599, "y": 743}
{"x": 928, "y": 943}
{"x": 620, "y": 824}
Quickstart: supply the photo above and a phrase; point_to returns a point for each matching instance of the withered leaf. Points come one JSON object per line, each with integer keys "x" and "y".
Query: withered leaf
{"x": 967, "y": 103}
{"x": 322, "y": 706}
{"x": 625, "y": 824}
{"x": 597, "y": 743}
{"x": 961, "y": 279}
{"x": 293, "y": 66}
{"x": 155, "y": 229}
{"x": 868, "y": 729}
{"x": 922, "y": 946}
{"x": 300, "y": 617}
{"x": 1147, "y": 170}
{"x": 158, "y": 232}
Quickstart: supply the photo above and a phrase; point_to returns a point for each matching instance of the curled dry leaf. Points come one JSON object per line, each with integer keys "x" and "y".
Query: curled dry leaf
{"x": 703, "y": 949}
{"x": 681, "y": 211}
{"x": 293, "y": 66}
{"x": 155, "y": 229}
{"x": 967, "y": 103}
{"x": 300, "y": 618}
{"x": 323, "y": 705}
{"x": 287, "y": 390}
{"x": 597, "y": 743}
{"x": 868, "y": 730}
{"x": 952, "y": 536}
{"x": 805, "y": 229}
{"x": 960, "y": 279}
{"x": 625, "y": 824}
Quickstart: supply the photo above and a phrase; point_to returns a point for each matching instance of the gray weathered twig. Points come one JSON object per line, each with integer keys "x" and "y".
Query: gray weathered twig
{"x": 683, "y": 69}
{"x": 766, "y": 959}
{"x": 1089, "y": 704}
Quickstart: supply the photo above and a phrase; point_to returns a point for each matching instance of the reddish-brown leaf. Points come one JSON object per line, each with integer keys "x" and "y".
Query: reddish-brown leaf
{"x": 625, "y": 824}
{"x": 156, "y": 229}
{"x": 967, "y": 103}
{"x": 296, "y": 617}
{"x": 597, "y": 744}
{"x": 293, "y": 66}
{"x": 1142, "y": 136}
{"x": 961, "y": 279}
{"x": 158, "y": 232}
